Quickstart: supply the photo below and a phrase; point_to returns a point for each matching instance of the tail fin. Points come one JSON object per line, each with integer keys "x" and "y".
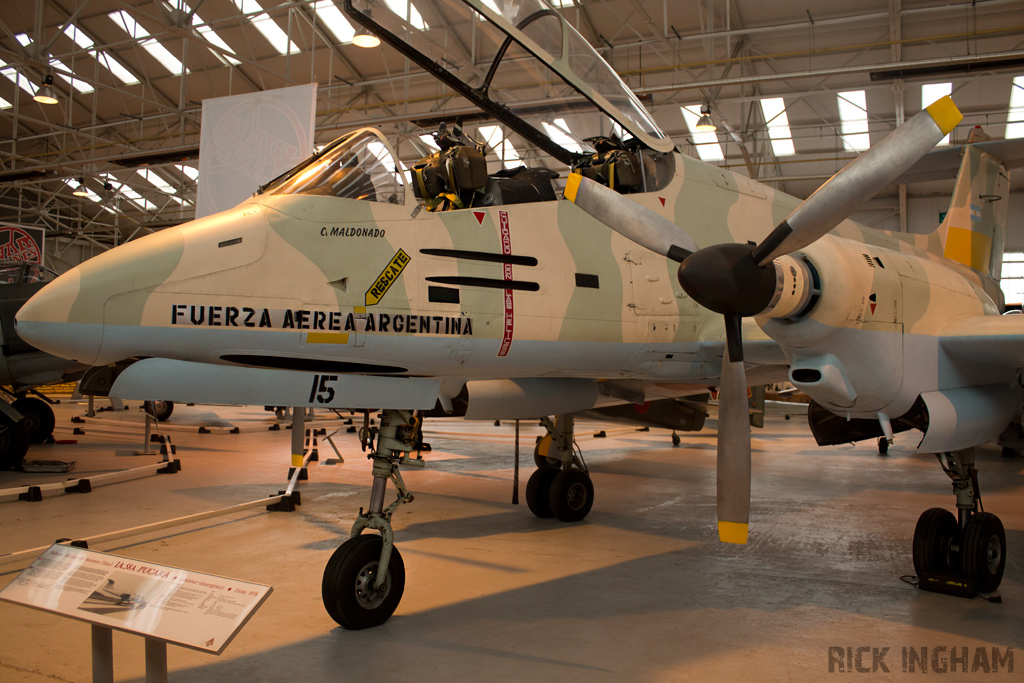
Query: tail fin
{"x": 974, "y": 228}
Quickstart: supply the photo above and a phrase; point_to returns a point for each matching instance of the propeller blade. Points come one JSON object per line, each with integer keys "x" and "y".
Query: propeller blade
{"x": 733, "y": 440}
{"x": 628, "y": 218}
{"x": 860, "y": 180}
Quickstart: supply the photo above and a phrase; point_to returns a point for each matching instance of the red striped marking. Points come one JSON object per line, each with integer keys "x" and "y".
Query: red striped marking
{"x": 506, "y": 250}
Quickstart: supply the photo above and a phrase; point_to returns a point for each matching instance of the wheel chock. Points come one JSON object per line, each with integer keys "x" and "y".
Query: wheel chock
{"x": 81, "y": 486}
{"x": 78, "y": 431}
{"x": 303, "y": 474}
{"x": 33, "y": 495}
{"x": 234, "y": 430}
{"x": 274, "y": 428}
{"x": 78, "y": 420}
{"x": 948, "y": 583}
{"x": 287, "y": 502}
{"x": 350, "y": 430}
{"x": 600, "y": 435}
{"x": 172, "y": 467}
{"x": 204, "y": 430}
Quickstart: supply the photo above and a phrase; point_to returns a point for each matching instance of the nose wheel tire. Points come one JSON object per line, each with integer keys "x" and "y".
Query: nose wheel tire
{"x": 38, "y": 418}
{"x": 984, "y": 551}
{"x": 161, "y": 410}
{"x": 572, "y": 495}
{"x": 936, "y": 533}
{"x": 347, "y": 587}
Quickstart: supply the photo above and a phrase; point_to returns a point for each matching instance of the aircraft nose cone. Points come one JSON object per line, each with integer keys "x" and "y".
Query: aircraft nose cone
{"x": 43, "y": 322}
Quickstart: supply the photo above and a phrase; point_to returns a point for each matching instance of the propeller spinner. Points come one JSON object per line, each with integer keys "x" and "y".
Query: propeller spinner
{"x": 740, "y": 281}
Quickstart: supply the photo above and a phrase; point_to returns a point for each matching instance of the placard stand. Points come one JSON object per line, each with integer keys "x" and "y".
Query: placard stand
{"x": 162, "y": 604}
{"x": 103, "y": 657}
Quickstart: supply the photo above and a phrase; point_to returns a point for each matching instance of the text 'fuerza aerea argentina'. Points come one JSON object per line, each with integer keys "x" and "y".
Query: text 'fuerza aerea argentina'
{"x": 327, "y": 321}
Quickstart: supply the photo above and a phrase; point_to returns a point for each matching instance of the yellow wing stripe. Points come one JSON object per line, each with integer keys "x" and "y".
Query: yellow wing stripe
{"x": 732, "y": 532}
{"x": 945, "y": 114}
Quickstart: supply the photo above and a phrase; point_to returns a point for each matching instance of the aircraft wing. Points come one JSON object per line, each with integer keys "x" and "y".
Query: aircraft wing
{"x": 986, "y": 340}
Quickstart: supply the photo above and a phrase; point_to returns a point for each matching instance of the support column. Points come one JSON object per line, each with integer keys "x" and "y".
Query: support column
{"x": 102, "y": 654}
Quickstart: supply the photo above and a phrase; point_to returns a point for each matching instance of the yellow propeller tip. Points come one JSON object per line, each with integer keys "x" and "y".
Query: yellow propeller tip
{"x": 945, "y": 114}
{"x": 572, "y": 186}
{"x": 732, "y": 532}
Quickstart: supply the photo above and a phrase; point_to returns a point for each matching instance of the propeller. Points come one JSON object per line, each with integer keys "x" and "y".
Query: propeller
{"x": 739, "y": 280}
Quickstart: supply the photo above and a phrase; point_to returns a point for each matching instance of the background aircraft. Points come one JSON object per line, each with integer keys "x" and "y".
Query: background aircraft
{"x": 24, "y": 419}
{"x": 345, "y": 283}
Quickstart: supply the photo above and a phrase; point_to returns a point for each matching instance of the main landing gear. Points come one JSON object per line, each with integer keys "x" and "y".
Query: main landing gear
{"x": 365, "y": 578}
{"x": 561, "y": 486}
{"x": 965, "y": 554}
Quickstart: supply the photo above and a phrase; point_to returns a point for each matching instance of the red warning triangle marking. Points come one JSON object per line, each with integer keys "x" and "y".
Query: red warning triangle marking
{"x": 873, "y": 308}
{"x": 480, "y": 215}
{"x": 662, "y": 200}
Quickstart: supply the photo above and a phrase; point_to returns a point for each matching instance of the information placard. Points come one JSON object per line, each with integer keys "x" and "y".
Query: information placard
{"x": 192, "y": 609}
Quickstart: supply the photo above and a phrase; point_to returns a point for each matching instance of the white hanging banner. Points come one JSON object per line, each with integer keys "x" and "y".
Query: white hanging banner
{"x": 246, "y": 140}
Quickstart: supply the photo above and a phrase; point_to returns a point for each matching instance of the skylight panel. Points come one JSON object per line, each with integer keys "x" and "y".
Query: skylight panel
{"x": 429, "y": 141}
{"x": 4, "y": 104}
{"x": 334, "y": 20}
{"x": 408, "y": 11}
{"x": 774, "y": 110}
{"x": 11, "y": 74}
{"x": 150, "y": 45}
{"x": 135, "y": 198}
{"x": 561, "y": 3}
{"x": 155, "y": 180}
{"x": 495, "y": 138}
{"x": 115, "y": 67}
{"x": 263, "y": 23}
{"x": 75, "y": 83}
{"x": 192, "y": 173}
{"x": 853, "y": 112}
{"x": 930, "y": 92}
{"x": 1015, "y": 116}
{"x": 558, "y": 131}
{"x": 706, "y": 142}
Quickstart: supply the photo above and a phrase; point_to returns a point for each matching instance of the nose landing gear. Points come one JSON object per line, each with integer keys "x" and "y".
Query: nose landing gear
{"x": 365, "y": 578}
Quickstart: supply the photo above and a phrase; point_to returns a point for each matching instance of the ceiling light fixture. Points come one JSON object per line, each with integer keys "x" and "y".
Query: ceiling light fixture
{"x": 46, "y": 94}
{"x": 81, "y": 190}
{"x": 704, "y": 123}
{"x": 363, "y": 36}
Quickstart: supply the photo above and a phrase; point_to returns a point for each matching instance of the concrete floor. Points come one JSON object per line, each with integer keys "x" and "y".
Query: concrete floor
{"x": 639, "y": 591}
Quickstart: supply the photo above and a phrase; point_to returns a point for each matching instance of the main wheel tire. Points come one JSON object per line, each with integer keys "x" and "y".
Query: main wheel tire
{"x": 161, "y": 410}
{"x": 39, "y": 419}
{"x": 572, "y": 495}
{"x": 983, "y": 551}
{"x": 538, "y": 491}
{"x": 675, "y": 439}
{"x": 934, "y": 537}
{"x": 13, "y": 442}
{"x": 347, "y": 578}
{"x": 883, "y": 445}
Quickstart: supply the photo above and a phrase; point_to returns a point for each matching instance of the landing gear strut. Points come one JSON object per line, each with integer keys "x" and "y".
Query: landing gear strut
{"x": 970, "y": 546}
{"x": 365, "y": 578}
{"x": 561, "y": 486}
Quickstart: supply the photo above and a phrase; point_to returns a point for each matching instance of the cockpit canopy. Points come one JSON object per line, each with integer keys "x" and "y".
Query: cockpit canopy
{"x": 356, "y": 166}
{"x": 493, "y": 51}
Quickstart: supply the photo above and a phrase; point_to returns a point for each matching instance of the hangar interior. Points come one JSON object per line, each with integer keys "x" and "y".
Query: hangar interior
{"x": 642, "y": 590}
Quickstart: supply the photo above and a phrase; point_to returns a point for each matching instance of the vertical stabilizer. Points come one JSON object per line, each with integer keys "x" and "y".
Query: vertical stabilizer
{"x": 974, "y": 228}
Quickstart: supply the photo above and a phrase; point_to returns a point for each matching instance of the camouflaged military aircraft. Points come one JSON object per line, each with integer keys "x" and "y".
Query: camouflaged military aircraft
{"x": 346, "y": 283}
